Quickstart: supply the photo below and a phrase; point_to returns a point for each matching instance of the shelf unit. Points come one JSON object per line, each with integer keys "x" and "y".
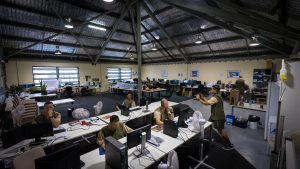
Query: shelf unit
{"x": 261, "y": 78}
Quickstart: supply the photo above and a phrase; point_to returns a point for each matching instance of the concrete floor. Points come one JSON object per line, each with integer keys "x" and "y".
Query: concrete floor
{"x": 249, "y": 143}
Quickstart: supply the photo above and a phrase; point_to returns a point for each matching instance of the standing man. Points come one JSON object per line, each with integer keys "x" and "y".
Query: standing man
{"x": 48, "y": 115}
{"x": 163, "y": 112}
{"x": 217, "y": 110}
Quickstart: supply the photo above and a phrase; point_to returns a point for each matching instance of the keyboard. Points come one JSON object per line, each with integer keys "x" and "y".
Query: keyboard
{"x": 59, "y": 130}
{"x": 155, "y": 140}
{"x": 135, "y": 109}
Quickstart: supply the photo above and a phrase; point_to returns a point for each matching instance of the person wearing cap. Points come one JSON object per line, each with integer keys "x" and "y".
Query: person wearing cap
{"x": 164, "y": 111}
{"x": 48, "y": 115}
{"x": 115, "y": 128}
{"x": 217, "y": 110}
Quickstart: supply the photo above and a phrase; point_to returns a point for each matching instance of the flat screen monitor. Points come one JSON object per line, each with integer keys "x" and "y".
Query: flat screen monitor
{"x": 134, "y": 137}
{"x": 12, "y": 136}
{"x": 186, "y": 81}
{"x": 37, "y": 131}
{"x": 66, "y": 158}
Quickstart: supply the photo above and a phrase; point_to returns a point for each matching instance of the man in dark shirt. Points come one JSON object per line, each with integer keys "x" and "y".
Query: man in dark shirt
{"x": 48, "y": 115}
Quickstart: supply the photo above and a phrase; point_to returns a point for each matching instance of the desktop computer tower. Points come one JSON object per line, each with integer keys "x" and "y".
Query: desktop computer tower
{"x": 116, "y": 155}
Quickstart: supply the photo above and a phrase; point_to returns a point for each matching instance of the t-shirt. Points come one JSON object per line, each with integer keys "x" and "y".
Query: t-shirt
{"x": 129, "y": 103}
{"x": 42, "y": 119}
{"x": 162, "y": 113}
{"x": 119, "y": 133}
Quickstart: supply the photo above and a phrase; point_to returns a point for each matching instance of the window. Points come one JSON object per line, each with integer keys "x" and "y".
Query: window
{"x": 119, "y": 74}
{"x": 64, "y": 74}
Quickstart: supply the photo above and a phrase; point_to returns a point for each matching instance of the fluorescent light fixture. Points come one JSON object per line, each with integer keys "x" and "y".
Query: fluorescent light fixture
{"x": 154, "y": 47}
{"x": 69, "y": 24}
{"x": 203, "y": 27}
{"x": 108, "y": 0}
{"x": 97, "y": 27}
{"x": 57, "y": 51}
{"x": 198, "y": 41}
{"x": 254, "y": 44}
{"x": 131, "y": 58}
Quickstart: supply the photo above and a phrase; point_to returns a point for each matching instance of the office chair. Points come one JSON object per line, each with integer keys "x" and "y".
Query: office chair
{"x": 68, "y": 91}
{"x": 217, "y": 145}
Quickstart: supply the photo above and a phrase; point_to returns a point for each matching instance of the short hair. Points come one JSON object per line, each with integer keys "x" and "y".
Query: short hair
{"x": 48, "y": 102}
{"x": 217, "y": 88}
{"x": 113, "y": 118}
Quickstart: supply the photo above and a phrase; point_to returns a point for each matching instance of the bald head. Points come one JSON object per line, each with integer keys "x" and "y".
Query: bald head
{"x": 164, "y": 103}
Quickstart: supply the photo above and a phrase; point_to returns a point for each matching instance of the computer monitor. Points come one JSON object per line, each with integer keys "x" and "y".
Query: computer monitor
{"x": 66, "y": 158}
{"x": 183, "y": 116}
{"x": 37, "y": 131}
{"x": 186, "y": 81}
{"x": 139, "y": 136}
{"x": 116, "y": 155}
{"x": 124, "y": 109}
{"x": 12, "y": 136}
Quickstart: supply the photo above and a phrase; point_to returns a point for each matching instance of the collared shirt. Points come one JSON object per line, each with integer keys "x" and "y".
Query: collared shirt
{"x": 162, "y": 113}
{"x": 119, "y": 133}
{"x": 43, "y": 119}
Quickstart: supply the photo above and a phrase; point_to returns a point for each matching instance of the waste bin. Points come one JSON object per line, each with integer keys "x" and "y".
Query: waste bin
{"x": 253, "y": 121}
{"x": 70, "y": 110}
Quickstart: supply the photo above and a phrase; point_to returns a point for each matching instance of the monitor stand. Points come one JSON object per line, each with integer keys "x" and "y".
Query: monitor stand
{"x": 147, "y": 109}
{"x": 37, "y": 141}
{"x": 143, "y": 151}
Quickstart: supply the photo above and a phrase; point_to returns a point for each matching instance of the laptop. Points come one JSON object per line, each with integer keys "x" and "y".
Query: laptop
{"x": 124, "y": 110}
{"x": 170, "y": 128}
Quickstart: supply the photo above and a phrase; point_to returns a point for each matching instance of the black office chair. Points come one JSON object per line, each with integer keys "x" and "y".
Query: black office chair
{"x": 68, "y": 91}
{"x": 219, "y": 155}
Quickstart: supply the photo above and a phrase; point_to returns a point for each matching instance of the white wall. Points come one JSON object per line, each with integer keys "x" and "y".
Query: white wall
{"x": 290, "y": 99}
{"x": 208, "y": 72}
{"x": 21, "y": 71}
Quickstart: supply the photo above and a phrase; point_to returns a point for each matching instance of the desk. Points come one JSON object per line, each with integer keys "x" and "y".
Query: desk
{"x": 40, "y": 95}
{"x": 253, "y": 109}
{"x": 134, "y": 114}
{"x": 151, "y": 91}
{"x": 57, "y": 102}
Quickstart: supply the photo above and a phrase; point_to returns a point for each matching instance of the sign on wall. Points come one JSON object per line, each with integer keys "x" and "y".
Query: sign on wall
{"x": 194, "y": 73}
{"x": 233, "y": 73}
{"x": 164, "y": 73}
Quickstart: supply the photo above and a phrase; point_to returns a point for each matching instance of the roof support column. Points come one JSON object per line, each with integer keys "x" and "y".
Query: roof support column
{"x": 139, "y": 48}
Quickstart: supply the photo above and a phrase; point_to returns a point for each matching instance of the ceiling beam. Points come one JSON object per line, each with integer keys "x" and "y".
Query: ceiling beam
{"x": 157, "y": 41}
{"x": 193, "y": 9}
{"x": 54, "y": 30}
{"x": 282, "y": 12}
{"x": 167, "y": 8}
{"x": 213, "y": 28}
{"x": 213, "y": 11}
{"x": 30, "y": 53}
{"x": 210, "y": 49}
{"x": 224, "y": 51}
{"x": 48, "y": 42}
{"x": 115, "y": 26}
{"x": 164, "y": 31}
{"x": 64, "y": 31}
{"x": 203, "y": 43}
{"x": 92, "y": 8}
{"x": 52, "y": 15}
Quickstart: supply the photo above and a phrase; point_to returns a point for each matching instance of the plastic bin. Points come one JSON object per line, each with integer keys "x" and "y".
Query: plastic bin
{"x": 253, "y": 121}
{"x": 230, "y": 119}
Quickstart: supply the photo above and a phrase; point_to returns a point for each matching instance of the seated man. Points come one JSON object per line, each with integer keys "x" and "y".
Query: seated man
{"x": 48, "y": 115}
{"x": 115, "y": 129}
{"x": 128, "y": 102}
{"x": 163, "y": 112}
